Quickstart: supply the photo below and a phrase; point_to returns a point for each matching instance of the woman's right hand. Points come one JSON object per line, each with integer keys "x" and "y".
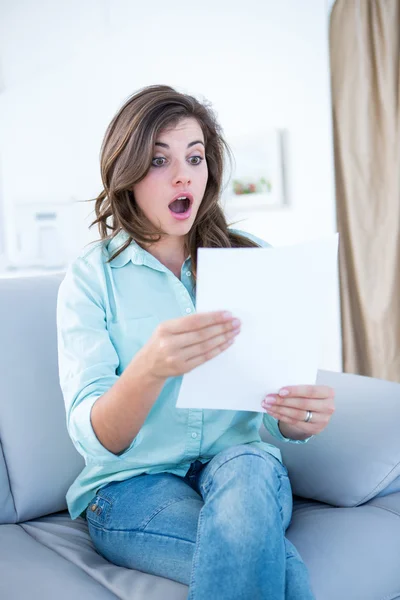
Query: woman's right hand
{"x": 179, "y": 345}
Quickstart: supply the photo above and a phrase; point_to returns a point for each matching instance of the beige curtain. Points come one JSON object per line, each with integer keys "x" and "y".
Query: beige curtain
{"x": 365, "y": 68}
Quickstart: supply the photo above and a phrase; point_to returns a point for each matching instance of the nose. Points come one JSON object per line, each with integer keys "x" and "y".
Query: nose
{"x": 181, "y": 175}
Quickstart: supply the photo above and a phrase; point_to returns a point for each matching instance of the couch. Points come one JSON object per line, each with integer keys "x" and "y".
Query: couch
{"x": 345, "y": 523}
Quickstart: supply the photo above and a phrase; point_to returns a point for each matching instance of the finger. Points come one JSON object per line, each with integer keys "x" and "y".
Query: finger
{"x": 223, "y": 331}
{"x": 197, "y": 321}
{"x": 325, "y": 405}
{"x": 204, "y": 348}
{"x": 297, "y": 416}
{"x": 198, "y": 360}
{"x": 308, "y": 428}
{"x": 307, "y": 391}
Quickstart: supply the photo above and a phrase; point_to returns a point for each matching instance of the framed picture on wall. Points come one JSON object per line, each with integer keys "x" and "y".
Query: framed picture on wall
{"x": 259, "y": 172}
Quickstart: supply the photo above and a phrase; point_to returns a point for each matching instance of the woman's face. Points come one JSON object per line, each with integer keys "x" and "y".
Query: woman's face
{"x": 178, "y": 170}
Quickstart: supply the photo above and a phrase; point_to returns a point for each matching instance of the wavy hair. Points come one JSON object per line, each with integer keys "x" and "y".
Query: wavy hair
{"x": 125, "y": 159}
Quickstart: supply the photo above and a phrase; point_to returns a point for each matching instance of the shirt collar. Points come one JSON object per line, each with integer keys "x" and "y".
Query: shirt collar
{"x": 134, "y": 253}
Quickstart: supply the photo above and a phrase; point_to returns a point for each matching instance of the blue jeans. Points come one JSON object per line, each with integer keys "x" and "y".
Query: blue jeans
{"x": 220, "y": 529}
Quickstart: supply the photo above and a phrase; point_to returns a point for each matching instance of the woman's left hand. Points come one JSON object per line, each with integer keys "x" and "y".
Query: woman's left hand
{"x": 294, "y": 404}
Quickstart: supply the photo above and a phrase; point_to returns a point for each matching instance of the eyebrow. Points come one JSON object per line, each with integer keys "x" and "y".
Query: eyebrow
{"x": 189, "y": 145}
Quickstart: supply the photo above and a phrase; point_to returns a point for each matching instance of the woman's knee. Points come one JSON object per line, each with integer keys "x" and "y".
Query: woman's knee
{"x": 249, "y": 483}
{"x": 244, "y": 465}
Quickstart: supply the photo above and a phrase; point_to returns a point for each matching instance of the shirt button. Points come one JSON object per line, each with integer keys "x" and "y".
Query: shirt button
{"x": 194, "y": 435}
{"x": 188, "y": 273}
{"x": 188, "y": 310}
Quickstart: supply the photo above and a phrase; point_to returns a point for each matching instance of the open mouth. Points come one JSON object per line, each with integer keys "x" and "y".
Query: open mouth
{"x": 180, "y": 205}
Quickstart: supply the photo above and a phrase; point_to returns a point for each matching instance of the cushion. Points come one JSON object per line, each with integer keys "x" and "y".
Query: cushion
{"x": 358, "y": 455}
{"x": 351, "y": 553}
{"x": 70, "y": 543}
{"x": 38, "y": 462}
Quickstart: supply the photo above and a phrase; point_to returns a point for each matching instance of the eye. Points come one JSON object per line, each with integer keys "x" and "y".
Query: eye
{"x": 155, "y": 162}
{"x": 199, "y": 159}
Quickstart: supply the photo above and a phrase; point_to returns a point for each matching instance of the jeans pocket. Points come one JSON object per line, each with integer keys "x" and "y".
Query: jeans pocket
{"x": 98, "y": 511}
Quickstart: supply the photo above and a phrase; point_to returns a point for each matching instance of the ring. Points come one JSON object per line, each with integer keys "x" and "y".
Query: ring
{"x": 308, "y": 416}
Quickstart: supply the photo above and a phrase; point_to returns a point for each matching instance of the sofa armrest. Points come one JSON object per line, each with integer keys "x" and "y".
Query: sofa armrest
{"x": 358, "y": 454}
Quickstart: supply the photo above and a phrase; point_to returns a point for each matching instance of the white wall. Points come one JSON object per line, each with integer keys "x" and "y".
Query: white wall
{"x": 67, "y": 67}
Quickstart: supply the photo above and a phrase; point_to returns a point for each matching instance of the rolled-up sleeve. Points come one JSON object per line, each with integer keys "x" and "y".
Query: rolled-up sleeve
{"x": 87, "y": 358}
{"x": 271, "y": 424}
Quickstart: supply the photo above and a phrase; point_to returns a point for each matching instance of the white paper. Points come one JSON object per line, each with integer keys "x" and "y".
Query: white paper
{"x": 281, "y": 296}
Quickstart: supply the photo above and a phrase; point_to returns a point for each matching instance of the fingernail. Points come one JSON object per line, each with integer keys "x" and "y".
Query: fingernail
{"x": 269, "y": 400}
{"x": 284, "y": 392}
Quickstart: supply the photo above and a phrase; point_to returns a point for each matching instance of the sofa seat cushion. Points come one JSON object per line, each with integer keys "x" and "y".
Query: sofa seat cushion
{"x": 71, "y": 541}
{"x": 31, "y": 570}
{"x": 352, "y": 553}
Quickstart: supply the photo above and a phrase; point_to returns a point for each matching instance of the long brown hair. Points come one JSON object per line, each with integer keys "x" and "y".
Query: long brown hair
{"x": 126, "y": 155}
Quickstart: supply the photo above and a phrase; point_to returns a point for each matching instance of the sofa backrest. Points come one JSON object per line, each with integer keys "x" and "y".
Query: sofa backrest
{"x": 38, "y": 461}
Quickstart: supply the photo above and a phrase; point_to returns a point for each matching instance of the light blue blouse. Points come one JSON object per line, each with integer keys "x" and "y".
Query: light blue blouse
{"x": 105, "y": 313}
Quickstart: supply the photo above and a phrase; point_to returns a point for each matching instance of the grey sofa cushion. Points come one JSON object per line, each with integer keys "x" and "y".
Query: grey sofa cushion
{"x": 7, "y": 509}
{"x": 358, "y": 454}
{"x": 351, "y": 554}
{"x": 40, "y": 459}
{"x": 30, "y": 570}
{"x": 70, "y": 540}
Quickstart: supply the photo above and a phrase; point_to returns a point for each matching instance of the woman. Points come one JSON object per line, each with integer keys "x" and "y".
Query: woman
{"x": 191, "y": 495}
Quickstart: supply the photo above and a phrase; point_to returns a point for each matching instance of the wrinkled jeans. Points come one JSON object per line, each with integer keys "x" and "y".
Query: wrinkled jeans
{"x": 220, "y": 529}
